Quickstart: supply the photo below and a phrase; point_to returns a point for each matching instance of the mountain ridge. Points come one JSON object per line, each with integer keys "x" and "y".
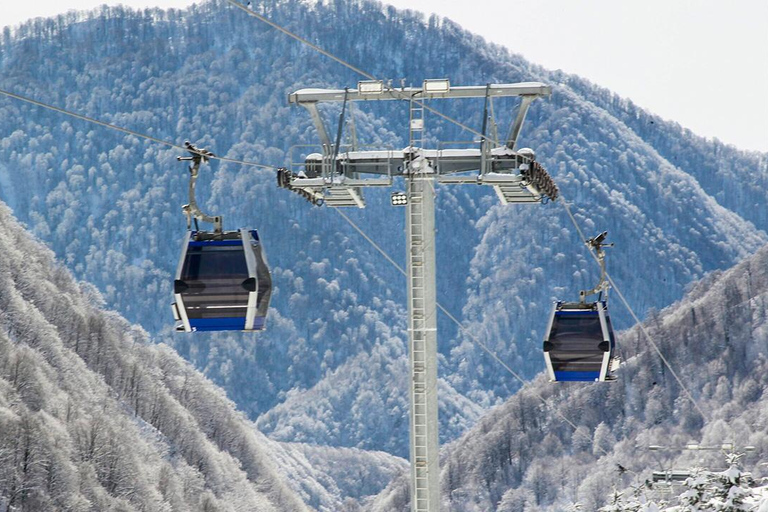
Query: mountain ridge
{"x": 94, "y": 417}
{"x": 220, "y": 79}
{"x": 524, "y": 455}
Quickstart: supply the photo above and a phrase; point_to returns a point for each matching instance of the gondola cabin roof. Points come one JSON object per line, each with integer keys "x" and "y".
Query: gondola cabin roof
{"x": 222, "y": 282}
{"x": 579, "y": 342}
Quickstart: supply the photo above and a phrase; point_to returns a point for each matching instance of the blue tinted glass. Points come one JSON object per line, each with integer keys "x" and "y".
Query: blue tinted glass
{"x": 214, "y": 262}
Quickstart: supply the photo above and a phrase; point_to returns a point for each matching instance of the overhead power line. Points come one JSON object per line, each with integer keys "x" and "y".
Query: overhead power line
{"x": 357, "y": 228}
{"x": 463, "y": 126}
{"x": 297, "y": 37}
{"x": 121, "y": 129}
{"x": 357, "y": 70}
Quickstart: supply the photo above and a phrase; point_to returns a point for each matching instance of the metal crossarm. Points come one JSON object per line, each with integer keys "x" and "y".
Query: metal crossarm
{"x": 336, "y": 175}
{"x": 535, "y": 89}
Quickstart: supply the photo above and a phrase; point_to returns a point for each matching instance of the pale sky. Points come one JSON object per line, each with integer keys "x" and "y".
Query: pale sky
{"x": 702, "y": 63}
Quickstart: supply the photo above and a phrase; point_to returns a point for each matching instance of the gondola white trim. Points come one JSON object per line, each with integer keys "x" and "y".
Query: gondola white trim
{"x": 183, "y": 313}
{"x": 250, "y": 259}
{"x": 547, "y": 360}
{"x": 606, "y": 337}
{"x": 179, "y": 301}
{"x": 184, "y": 249}
{"x": 605, "y": 365}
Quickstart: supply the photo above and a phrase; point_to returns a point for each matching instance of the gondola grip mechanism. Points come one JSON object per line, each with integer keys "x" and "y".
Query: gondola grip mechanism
{"x": 191, "y": 210}
{"x": 597, "y": 244}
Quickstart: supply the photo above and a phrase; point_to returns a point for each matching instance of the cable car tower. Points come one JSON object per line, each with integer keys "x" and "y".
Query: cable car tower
{"x": 336, "y": 176}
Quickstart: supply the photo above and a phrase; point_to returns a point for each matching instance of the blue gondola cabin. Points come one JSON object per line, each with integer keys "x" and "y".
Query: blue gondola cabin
{"x": 579, "y": 342}
{"x": 222, "y": 282}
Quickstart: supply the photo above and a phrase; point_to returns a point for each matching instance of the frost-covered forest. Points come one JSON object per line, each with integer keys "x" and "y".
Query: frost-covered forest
{"x": 332, "y": 367}
{"x": 94, "y": 417}
{"x": 676, "y": 205}
{"x": 524, "y": 456}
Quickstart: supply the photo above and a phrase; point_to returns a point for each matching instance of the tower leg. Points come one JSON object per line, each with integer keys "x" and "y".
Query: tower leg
{"x": 422, "y": 333}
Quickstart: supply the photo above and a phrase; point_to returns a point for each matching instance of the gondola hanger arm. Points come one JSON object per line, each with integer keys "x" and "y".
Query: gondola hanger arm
{"x": 597, "y": 243}
{"x": 191, "y": 210}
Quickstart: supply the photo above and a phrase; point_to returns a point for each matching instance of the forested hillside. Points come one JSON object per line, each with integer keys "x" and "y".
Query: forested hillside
{"x": 93, "y": 417}
{"x": 524, "y": 455}
{"x": 330, "y": 367}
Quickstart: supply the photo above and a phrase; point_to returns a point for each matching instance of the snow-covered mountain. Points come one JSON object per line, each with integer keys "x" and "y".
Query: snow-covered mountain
{"x": 333, "y": 479}
{"x": 524, "y": 454}
{"x": 330, "y": 368}
{"x": 94, "y": 417}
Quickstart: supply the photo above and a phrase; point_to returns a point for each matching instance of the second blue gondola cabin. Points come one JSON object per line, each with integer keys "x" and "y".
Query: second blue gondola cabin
{"x": 579, "y": 342}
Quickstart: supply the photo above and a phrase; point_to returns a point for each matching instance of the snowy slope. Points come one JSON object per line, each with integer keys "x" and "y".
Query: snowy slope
{"x": 676, "y": 205}
{"x": 330, "y": 479}
{"x": 526, "y": 454}
{"x": 313, "y": 415}
{"x": 94, "y": 417}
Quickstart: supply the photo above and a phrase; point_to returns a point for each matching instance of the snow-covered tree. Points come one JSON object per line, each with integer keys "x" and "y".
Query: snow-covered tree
{"x": 724, "y": 491}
